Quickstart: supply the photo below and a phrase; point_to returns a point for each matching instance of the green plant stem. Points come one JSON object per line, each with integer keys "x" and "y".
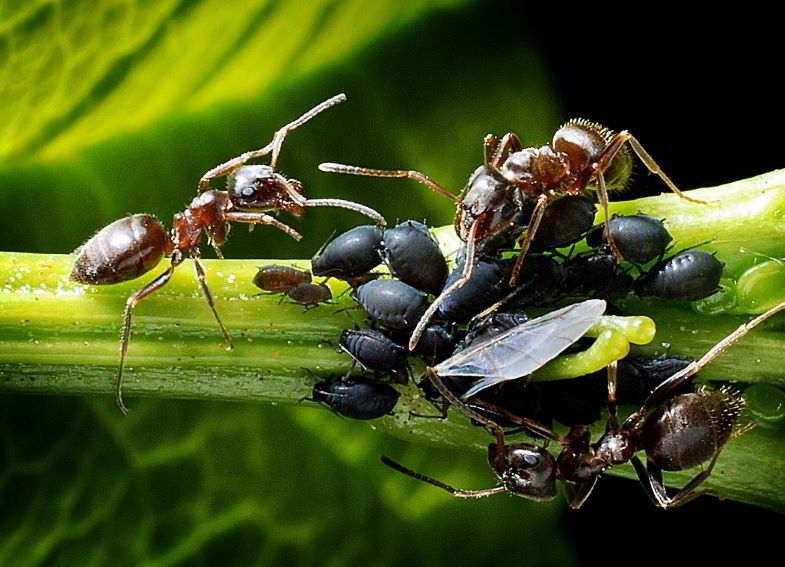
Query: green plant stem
{"x": 61, "y": 338}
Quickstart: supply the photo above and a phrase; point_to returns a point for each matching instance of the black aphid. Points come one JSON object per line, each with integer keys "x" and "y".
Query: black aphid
{"x": 486, "y": 285}
{"x": 356, "y": 399}
{"x": 376, "y": 352}
{"x": 391, "y": 303}
{"x": 688, "y": 276}
{"x": 350, "y": 255}
{"x": 414, "y": 256}
{"x": 564, "y": 222}
{"x": 640, "y": 238}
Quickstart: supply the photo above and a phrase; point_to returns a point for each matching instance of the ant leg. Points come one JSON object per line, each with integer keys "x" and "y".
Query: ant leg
{"x": 490, "y": 144}
{"x": 603, "y": 193}
{"x": 468, "y": 270}
{"x": 613, "y": 418}
{"x": 500, "y": 150}
{"x": 650, "y": 477}
{"x": 528, "y": 235}
{"x": 262, "y": 218}
{"x": 579, "y": 492}
{"x": 439, "y": 484}
{"x": 616, "y": 144}
{"x": 273, "y": 147}
{"x": 351, "y": 205}
{"x": 393, "y": 173}
{"x": 200, "y": 276}
{"x": 664, "y": 389}
{"x": 130, "y": 303}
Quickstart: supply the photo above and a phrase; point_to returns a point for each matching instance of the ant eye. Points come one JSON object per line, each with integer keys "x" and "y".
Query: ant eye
{"x": 531, "y": 459}
{"x": 507, "y": 210}
{"x": 247, "y": 192}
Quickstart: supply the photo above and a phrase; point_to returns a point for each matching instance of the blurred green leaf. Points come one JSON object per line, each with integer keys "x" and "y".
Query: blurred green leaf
{"x": 202, "y": 483}
{"x": 113, "y": 107}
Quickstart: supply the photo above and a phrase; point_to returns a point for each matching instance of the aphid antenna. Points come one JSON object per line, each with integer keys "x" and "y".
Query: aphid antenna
{"x": 761, "y": 254}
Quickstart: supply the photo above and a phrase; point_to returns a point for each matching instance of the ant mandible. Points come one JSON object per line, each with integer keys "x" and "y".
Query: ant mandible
{"x": 132, "y": 246}
{"x": 676, "y": 431}
{"x": 583, "y": 156}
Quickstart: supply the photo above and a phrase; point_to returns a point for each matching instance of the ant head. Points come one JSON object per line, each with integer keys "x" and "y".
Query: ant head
{"x": 490, "y": 199}
{"x": 535, "y": 170}
{"x": 260, "y": 187}
{"x": 525, "y": 470}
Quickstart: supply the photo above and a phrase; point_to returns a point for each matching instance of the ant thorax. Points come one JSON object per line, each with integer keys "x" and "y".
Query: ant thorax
{"x": 539, "y": 170}
{"x": 204, "y": 214}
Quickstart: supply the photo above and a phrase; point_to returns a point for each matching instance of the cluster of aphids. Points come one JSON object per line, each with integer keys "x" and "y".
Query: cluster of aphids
{"x": 517, "y": 213}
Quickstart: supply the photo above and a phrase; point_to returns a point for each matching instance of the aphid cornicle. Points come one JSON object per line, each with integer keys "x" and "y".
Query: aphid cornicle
{"x": 583, "y": 156}
{"x": 677, "y": 431}
{"x": 131, "y": 247}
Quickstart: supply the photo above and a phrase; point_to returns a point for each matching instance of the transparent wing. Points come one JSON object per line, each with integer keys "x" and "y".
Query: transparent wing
{"x": 523, "y": 349}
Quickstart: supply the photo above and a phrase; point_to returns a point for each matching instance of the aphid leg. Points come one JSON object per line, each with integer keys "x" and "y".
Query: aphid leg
{"x": 393, "y": 173}
{"x": 200, "y": 276}
{"x": 613, "y": 418}
{"x": 273, "y": 147}
{"x": 603, "y": 194}
{"x": 130, "y": 303}
{"x": 437, "y": 483}
{"x": 351, "y": 205}
{"x": 534, "y": 223}
{"x": 468, "y": 269}
{"x": 262, "y": 218}
{"x": 579, "y": 492}
{"x": 664, "y": 389}
{"x": 650, "y": 477}
{"x": 616, "y": 144}
{"x": 501, "y": 149}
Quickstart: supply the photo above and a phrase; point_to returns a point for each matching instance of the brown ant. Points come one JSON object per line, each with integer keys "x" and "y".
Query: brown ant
{"x": 583, "y": 156}
{"x": 677, "y": 432}
{"x": 132, "y": 246}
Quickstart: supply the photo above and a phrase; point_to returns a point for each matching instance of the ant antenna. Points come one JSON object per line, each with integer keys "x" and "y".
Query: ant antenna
{"x": 392, "y": 173}
{"x": 273, "y": 147}
{"x": 439, "y": 484}
{"x": 343, "y": 204}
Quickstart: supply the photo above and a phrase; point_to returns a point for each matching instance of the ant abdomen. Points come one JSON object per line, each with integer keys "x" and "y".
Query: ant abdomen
{"x": 691, "y": 428}
{"x": 121, "y": 251}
